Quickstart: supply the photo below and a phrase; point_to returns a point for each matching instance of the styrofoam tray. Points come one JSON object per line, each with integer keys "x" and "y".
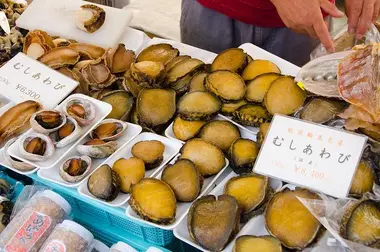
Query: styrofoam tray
{"x": 102, "y": 109}
{"x": 181, "y": 231}
{"x": 171, "y": 150}
{"x": 182, "y": 207}
{"x": 4, "y": 101}
{"x": 52, "y": 174}
{"x": 6, "y": 164}
{"x": 243, "y": 131}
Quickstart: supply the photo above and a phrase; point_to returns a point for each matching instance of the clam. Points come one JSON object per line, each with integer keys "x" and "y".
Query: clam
{"x": 109, "y": 129}
{"x": 17, "y": 164}
{"x": 36, "y": 147}
{"x": 96, "y": 148}
{"x": 90, "y": 18}
{"x": 37, "y": 43}
{"x": 67, "y": 134}
{"x": 83, "y": 111}
{"x": 119, "y": 59}
{"x": 75, "y": 169}
{"x": 47, "y": 121}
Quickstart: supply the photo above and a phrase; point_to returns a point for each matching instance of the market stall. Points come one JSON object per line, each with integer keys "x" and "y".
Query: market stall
{"x": 154, "y": 143}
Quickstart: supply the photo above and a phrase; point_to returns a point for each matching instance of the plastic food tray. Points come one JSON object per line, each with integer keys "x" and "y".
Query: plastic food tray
{"x": 110, "y": 224}
{"x": 102, "y": 109}
{"x": 181, "y": 231}
{"x": 171, "y": 150}
{"x": 182, "y": 207}
{"x": 52, "y": 174}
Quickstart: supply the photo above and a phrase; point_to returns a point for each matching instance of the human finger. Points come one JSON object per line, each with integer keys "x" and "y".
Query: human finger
{"x": 365, "y": 18}
{"x": 323, "y": 34}
{"x": 354, "y": 9}
{"x": 330, "y": 8}
{"x": 376, "y": 11}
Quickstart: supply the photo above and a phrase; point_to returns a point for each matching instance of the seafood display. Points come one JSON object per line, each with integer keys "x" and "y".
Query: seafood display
{"x": 159, "y": 87}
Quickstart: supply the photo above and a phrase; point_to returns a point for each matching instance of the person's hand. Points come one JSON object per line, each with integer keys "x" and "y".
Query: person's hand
{"x": 306, "y": 17}
{"x": 361, "y": 13}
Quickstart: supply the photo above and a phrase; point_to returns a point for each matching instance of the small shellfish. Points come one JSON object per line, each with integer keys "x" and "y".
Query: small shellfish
{"x": 36, "y": 147}
{"x": 60, "y": 57}
{"x": 96, "y": 148}
{"x": 37, "y": 43}
{"x": 109, "y": 129}
{"x": 119, "y": 59}
{"x": 97, "y": 74}
{"x": 90, "y": 18}
{"x": 16, "y": 119}
{"x": 17, "y": 164}
{"x": 47, "y": 121}
{"x": 83, "y": 111}
{"x": 67, "y": 134}
{"x": 75, "y": 169}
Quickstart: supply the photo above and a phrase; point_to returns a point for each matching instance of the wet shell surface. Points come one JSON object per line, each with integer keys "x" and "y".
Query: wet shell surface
{"x": 36, "y": 147}
{"x": 67, "y": 134}
{"x": 17, "y": 164}
{"x": 75, "y": 169}
{"x": 108, "y": 130}
{"x": 97, "y": 148}
{"x": 90, "y": 18}
{"x": 47, "y": 121}
{"x": 83, "y": 111}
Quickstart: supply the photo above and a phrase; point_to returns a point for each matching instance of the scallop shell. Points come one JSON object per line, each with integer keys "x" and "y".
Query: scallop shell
{"x": 50, "y": 148}
{"x": 39, "y": 129}
{"x": 89, "y": 107}
{"x": 73, "y": 179}
{"x": 121, "y": 124}
{"x": 98, "y": 151}
{"x": 69, "y": 139}
{"x": 19, "y": 165}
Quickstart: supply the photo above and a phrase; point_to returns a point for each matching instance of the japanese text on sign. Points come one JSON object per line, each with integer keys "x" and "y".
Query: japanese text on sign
{"x": 23, "y": 78}
{"x": 310, "y": 155}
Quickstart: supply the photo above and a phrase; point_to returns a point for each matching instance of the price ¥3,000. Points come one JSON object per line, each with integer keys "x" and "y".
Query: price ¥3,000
{"x": 29, "y": 92}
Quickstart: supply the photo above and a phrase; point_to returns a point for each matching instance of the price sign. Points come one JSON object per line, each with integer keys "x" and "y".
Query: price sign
{"x": 23, "y": 78}
{"x": 321, "y": 158}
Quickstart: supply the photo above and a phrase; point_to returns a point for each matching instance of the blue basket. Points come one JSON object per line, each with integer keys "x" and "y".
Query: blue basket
{"x": 110, "y": 224}
{"x": 17, "y": 186}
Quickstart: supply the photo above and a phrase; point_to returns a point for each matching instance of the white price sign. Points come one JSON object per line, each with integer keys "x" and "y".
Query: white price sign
{"x": 321, "y": 158}
{"x": 23, "y": 78}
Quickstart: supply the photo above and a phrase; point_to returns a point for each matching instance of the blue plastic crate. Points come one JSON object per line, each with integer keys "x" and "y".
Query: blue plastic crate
{"x": 17, "y": 186}
{"x": 110, "y": 224}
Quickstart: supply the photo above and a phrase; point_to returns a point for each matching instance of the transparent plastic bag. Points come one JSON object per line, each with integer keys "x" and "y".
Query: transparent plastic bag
{"x": 343, "y": 41}
{"x": 330, "y": 211}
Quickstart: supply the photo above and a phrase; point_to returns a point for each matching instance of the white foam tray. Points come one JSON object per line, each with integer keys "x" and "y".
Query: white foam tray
{"x": 102, "y": 109}
{"x": 181, "y": 231}
{"x": 52, "y": 174}
{"x": 171, "y": 150}
{"x": 182, "y": 207}
{"x": 244, "y": 132}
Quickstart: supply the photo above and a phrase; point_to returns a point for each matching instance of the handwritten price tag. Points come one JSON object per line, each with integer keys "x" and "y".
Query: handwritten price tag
{"x": 310, "y": 155}
{"x": 23, "y": 78}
